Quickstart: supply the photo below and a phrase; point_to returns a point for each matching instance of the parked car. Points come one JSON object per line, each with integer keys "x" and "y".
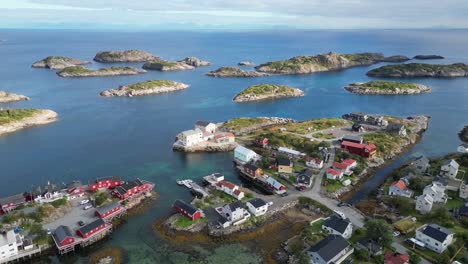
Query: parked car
{"x": 81, "y": 223}
{"x": 396, "y": 233}
{"x": 85, "y": 201}
{"x": 88, "y": 207}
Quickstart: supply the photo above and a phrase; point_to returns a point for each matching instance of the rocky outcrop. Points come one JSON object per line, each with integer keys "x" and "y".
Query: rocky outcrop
{"x": 235, "y": 72}
{"x": 246, "y": 63}
{"x": 411, "y": 70}
{"x": 319, "y": 63}
{"x": 163, "y": 65}
{"x": 80, "y": 71}
{"x": 41, "y": 117}
{"x": 206, "y": 146}
{"x": 145, "y": 88}
{"x": 464, "y": 134}
{"x": 428, "y": 57}
{"x": 58, "y": 62}
{"x": 9, "y": 97}
{"x": 267, "y": 92}
{"x": 389, "y": 88}
{"x": 395, "y": 58}
{"x": 195, "y": 62}
{"x": 124, "y": 56}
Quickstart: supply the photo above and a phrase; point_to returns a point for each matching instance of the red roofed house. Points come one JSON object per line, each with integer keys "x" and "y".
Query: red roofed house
{"x": 399, "y": 188}
{"x": 334, "y": 174}
{"x": 315, "y": 163}
{"x": 105, "y": 183}
{"x": 75, "y": 189}
{"x": 395, "y": 258}
{"x": 363, "y": 150}
{"x": 345, "y": 166}
{"x": 10, "y": 203}
{"x": 63, "y": 236}
{"x": 230, "y": 188}
{"x": 108, "y": 210}
{"x": 91, "y": 228}
{"x": 225, "y": 137}
{"x": 187, "y": 210}
{"x": 130, "y": 188}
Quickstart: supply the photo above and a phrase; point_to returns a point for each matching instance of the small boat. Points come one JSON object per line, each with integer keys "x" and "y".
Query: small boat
{"x": 186, "y": 183}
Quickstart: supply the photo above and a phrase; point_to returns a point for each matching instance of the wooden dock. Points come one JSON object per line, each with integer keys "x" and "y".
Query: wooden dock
{"x": 194, "y": 187}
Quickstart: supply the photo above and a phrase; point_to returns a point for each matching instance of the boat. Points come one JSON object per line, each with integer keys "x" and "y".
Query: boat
{"x": 186, "y": 183}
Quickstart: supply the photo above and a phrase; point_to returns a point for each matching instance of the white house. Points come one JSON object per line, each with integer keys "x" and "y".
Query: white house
{"x": 346, "y": 166}
{"x": 435, "y": 237}
{"x": 396, "y": 129}
{"x": 244, "y": 155}
{"x": 191, "y": 137}
{"x": 334, "y": 174}
{"x": 437, "y": 191}
{"x": 399, "y": 188}
{"x": 314, "y": 163}
{"x": 206, "y": 126}
{"x": 257, "y": 206}
{"x": 231, "y": 189}
{"x": 463, "y": 193}
{"x": 449, "y": 169}
{"x": 336, "y": 225}
{"x": 8, "y": 245}
{"x": 463, "y": 148}
{"x": 424, "y": 203}
{"x": 47, "y": 193}
{"x": 234, "y": 211}
{"x": 332, "y": 249}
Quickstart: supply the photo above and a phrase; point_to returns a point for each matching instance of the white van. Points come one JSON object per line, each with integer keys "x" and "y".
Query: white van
{"x": 340, "y": 214}
{"x": 88, "y": 207}
{"x": 84, "y": 201}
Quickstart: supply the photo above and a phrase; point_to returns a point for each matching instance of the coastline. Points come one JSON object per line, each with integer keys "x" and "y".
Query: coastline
{"x": 43, "y": 117}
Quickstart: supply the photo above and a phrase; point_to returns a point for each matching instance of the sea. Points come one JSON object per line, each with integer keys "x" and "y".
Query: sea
{"x": 132, "y": 137}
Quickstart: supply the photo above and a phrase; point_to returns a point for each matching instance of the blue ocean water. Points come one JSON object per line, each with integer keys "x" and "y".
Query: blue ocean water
{"x": 132, "y": 137}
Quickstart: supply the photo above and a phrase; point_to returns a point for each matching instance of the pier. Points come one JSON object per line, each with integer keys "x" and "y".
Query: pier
{"x": 194, "y": 187}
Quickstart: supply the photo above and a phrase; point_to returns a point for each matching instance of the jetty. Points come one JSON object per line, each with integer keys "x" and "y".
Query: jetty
{"x": 194, "y": 187}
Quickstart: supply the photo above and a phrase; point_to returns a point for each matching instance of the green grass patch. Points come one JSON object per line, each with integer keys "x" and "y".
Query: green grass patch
{"x": 309, "y": 126}
{"x": 389, "y": 85}
{"x": 150, "y": 84}
{"x": 385, "y": 142}
{"x": 243, "y": 122}
{"x": 267, "y": 89}
{"x": 59, "y": 203}
{"x": 12, "y": 115}
{"x": 184, "y": 222}
{"x": 323, "y": 136}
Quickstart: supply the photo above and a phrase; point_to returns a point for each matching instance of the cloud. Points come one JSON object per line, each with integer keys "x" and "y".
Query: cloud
{"x": 241, "y": 13}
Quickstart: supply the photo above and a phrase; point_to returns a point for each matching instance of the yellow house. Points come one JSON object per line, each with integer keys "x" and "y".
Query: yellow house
{"x": 284, "y": 165}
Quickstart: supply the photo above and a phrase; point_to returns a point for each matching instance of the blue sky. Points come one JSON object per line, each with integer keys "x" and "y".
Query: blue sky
{"x": 233, "y": 14}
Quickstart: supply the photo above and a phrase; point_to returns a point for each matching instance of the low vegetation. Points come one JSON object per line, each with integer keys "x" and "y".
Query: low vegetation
{"x": 150, "y": 84}
{"x": 309, "y": 126}
{"x": 12, "y": 115}
{"x": 389, "y": 85}
{"x": 265, "y": 89}
{"x": 243, "y": 122}
{"x": 84, "y": 70}
{"x": 386, "y": 142}
{"x": 184, "y": 222}
{"x": 419, "y": 69}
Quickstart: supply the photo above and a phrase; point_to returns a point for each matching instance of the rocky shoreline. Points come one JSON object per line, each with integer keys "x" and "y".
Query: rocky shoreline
{"x": 205, "y": 147}
{"x": 58, "y": 62}
{"x": 11, "y": 97}
{"x": 124, "y": 56}
{"x": 395, "y": 58}
{"x": 43, "y": 116}
{"x": 163, "y": 65}
{"x": 412, "y": 70}
{"x": 267, "y": 92}
{"x": 428, "y": 57}
{"x": 464, "y": 134}
{"x": 360, "y": 88}
{"x": 80, "y": 71}
{"x": 226, "y": 71}
{"x": 145, "y": 88}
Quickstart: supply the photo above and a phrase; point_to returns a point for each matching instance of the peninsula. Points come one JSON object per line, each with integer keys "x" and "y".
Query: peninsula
{"x": 319, "y": 63}
{"x": 428, "y": 57}
{"x": 164, "y": 65}
{"x": 395, "y": 58}
{"x": 387, "y": 88}
{"x": 80, "y": 71}
{"x": 145, "y": 88}
{"x": 12, "y": 120}
{"x": 58, "y": 62}
{"x": 421, "y": 70}
{"x": 124, "y": 56}
{"x": 266, "y": 92}
{"x": 10, "y": 97}
{"x": 227, "y": 71}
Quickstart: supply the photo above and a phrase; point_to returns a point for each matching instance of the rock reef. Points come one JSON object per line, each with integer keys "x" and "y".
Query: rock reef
{"x": 12, "y": 120}
{"x": 267, "y": 92}
{"x": 124, "y": 56}
{"x": 10, "y": 97}
{"x": 163, "y": 65}
{"x": 205, "y": 147}
{"x": 80, "y": 71}
{"x": 195, "y": 62}
{"x": 428, "y": 57}
{"x": 420, "y": 70}
{"x": 246, "y": 63}
{"x": 58, "y": 62}
{"x": 319, "y": 63}
{"x": 387, "y": 88}
{"x": 145, "y": 88}
{"x": 234, "y": 72}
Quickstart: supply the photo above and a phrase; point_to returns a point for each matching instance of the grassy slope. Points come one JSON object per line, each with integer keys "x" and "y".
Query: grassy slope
{"x": 388, "y": 85}
{"x": 80, "y": 69}
{"x": 150, "y": 84}
{"x": 11, "y": 115}
{"x": 315, "y": 125}
{"x": 243, "y": 122}
{"x": 265, "y": 89}
{"x": 385, "y": 142}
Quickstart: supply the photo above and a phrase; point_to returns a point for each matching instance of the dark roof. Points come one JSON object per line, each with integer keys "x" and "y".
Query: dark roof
{"x": 394, "y": 127}
{"x": 15, "y": 199}
{"x": 336, "y": 223}
{"x": 62, "y": 232}
{"x": 251, "y": 166}
{"x": 120, "y": 190}
{"x": 202, "y": 123}
{"x": 190, "y": 209}
{"x": 436, "y": 232}
{"x": 85, "y": 229}
{"x": 352, "y": 138}
{"x": 129, "y": 185}
{"x": 108, "y": 207}
{"x": 463, "y": 210}
{"x": 329, "y": 247}
{"x": 370, "y": 245}
{"x": 283, "y": 162}
{"x": 307, "y": 172}
{"x": 257, "y": 202}
{"x": 304, "y": 179}
{"x": 234, "y": 205}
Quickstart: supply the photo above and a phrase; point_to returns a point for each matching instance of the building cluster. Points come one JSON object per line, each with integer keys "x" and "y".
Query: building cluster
{"x": 11, "y": 244}
{"x": 204, "y": 131}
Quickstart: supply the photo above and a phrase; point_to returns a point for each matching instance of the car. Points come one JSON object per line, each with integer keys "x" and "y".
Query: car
{"x": 396, "y": 233}
{"x": 48, "y": 231}
{"x": 85, "y": 201}
{"x": 88, "y": 207}
{"x": 300, "y": 188}
{"x": 81, "y": 223}
{"x": 340, "y": 214}
{"x": 284, "y": 194}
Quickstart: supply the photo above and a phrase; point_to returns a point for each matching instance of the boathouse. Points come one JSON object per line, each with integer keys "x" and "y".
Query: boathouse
{"x": 105, "y": 183}
{"x": 63, "y": 236}
{"x": 187, "y": 210}
{"x": 363, "y": 150}
{"x": 108, "y": 210}
{"x": 91, "y": 228}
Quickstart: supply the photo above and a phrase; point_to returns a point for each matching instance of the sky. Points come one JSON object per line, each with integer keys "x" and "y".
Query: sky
{"x": 233, "y": 14}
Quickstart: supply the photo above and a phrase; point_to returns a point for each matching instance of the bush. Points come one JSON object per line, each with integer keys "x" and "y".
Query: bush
{"x": 58, "y": 203}
{"x": 100, "y": 198}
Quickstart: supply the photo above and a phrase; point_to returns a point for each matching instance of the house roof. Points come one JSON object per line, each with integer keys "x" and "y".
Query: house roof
{"x": 451, "y": 163}
{"x": 352, "y": 138}
{"x": 191, "y": 132}
{"x": 395, "y": 258}
{"x": 340, "y": 165}
{"x": 426, "y": 197}
{"x": 289, "y": 151}
{"x": 110, "y": 178}
{"x": 62, "y": 232}
{"x": 251, "y": 167}
{"x": 394, "y": 127}
{"x": 421, "y": 160}
{"x": 304, "y": 179}
{"x": 202, "y": 123}
{"x": 353, "y": 144}
{"x": 227, "y": 184}
{"x": 333, "y": 171}
{"x": 329, "y": 247}
{"x": 315, "y": 160}
{"x": 370, "y": 245}
{"x": 436, "y": 232}
{"x": 348, "y": 161}
{"x": 128, "y": 185}
{"x": 7, "y": 238}
{"x": 224, "y": 134}
{"x": 235, "y": 205}
{"x": 336, "y": 223}
{"x": 307, "y": 172}
{"x": 237, "y": 192}
{"x": 190, "y": 209}
{"x": 276, "y": 184}
{"x": 243, "y": 150}
{"x": 399, "y": 184}
{"x": 257, "y": 202}
{"x": 15, "y": 199}
{"x": 283, "y": 162}
{"x": 85, "y": 229}
{"x": 108, "y": 207}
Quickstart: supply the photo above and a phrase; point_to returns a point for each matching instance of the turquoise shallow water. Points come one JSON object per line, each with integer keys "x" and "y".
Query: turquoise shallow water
{"x": 132, "y": 137}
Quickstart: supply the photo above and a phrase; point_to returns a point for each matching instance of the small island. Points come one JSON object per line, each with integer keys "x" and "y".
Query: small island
{"x": 58, "y": 62}
{"x": 10, "y": 97}
{"x": 246, "y": 63}
{"x": 195, "y": 62}
{"x": 387, "y": 88}
{"x": 395, "y": 58}
{"x": 319, "y": 63}
{"x": 267, "y": 92}
{"x": 227, "y": 71}
{"x": 12, "y": 120}
{"x": 164, "y": 65}
{"x": 411, "y": 70}
{"x": 428, "y": 57}
{"x": 145, "y": 88}
{"x": 124, "y": 56}
{"x": 80, "y": 71}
